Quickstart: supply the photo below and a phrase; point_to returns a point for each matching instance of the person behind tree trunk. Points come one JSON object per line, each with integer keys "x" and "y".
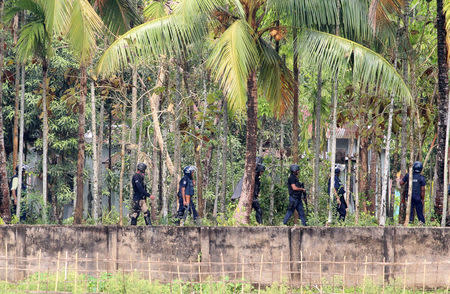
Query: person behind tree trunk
{"x": 341, "y": 205}
{"x": 418, "y": 191}
{"x": 255, "y": 204}
{"x": 139, "y": 196}
{"x": 14, "y": 185}
{"x": 185, "y": 195}
{"x": 295, "y": 195}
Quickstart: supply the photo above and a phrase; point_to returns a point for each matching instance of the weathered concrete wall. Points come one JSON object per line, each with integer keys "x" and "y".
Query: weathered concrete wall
{"x": 221, "y": 248}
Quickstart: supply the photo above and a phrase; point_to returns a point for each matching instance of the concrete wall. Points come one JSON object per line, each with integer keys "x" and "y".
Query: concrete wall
{"x": 131, "y": 247}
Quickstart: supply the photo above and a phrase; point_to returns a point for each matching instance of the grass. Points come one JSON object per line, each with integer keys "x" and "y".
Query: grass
{"x": 135, "y": 283}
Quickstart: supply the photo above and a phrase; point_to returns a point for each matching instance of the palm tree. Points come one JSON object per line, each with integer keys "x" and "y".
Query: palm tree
{"x": 78, "y": 22}
{"x": 35, "y": 41}
{"x": 243, "y": 61}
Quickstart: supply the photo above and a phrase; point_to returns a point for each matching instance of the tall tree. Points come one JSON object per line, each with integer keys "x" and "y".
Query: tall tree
{"x": 5, "y": 211}
{"x": 442, "y": 55}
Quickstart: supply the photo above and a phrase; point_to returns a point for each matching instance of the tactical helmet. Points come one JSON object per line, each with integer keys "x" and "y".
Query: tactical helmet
{"x": 337, "y": 170}
{"x": 294, "y": 168}
{"x": 189, "y": 169}
{"x": 260, "y": 168}
{"x": 141, "y": 167}
{"x": 417, "y": 167}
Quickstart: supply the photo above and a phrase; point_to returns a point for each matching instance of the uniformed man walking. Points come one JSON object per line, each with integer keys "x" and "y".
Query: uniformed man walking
{"x": 418, "y": 191}
{"x": 139, "y": 196}
{"x": 185, "y": 194}
{"x": 255, "y": 204}
{"x": 339, "y": 192}
{"x": 295, "y": 195}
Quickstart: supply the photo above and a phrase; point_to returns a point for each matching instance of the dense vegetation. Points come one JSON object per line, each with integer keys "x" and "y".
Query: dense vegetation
{"x": 216, "y": 83}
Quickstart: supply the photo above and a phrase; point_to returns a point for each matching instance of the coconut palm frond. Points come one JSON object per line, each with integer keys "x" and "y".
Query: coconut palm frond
{"x": 33, "y": 41}
{"x": 84, "y": 27}
{"x": 234, "y": 56}
{"x": 119, "y": 15}
{"x": 368, "y": 67}
{"x": 193, "y": 8}
{"x": 275, "y": 79}
{"x": 154, "y": 10}
{"x": 379, "y": 11}
{"x": 57, "y": 15}
{"x": 150, "y": 39}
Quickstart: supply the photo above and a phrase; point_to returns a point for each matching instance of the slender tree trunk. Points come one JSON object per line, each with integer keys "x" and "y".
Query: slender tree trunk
{"x": 243, "y": 209}
{"x": 223, "y": 189}
{"x": 349, "y": 173}
{"x": 44, "y": 138}
{"x": 373, "y": 180}
{"x": 445, "y": 196}
{"x": 16, "y": 98}
{"x": 317, "y": 125}
{"x": 110, "y": 157}
{"x": 333, "y": 144}
{"x": 442, "y": 107}
{"x": 100, "y": 154}
{"x": 295, "y": 106}
{"x": 5, "y": 210}
{"x": 357, "y": 177}
{"x": 410, "y": 178}
{"x": 81, "y": 145}
{"x": 95, "y": 158}
{"x": 122, "y": 164}
{"x": 134, "y": 107}
{"x": 154, "y": 102}
{"x": 364, "y": 162}
{"x": 21, "y": 132}
{"x": 384, "y": 188}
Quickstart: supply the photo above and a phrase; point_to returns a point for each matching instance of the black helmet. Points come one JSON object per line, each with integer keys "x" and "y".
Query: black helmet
{"x": 260, "y": 168}
{"x": 189, "y": 169}
{"x": 141, "y": 167}
{"x": 417, "y": 167}
{"x": 337, "y": 170}
{"x": 294, "y": 168}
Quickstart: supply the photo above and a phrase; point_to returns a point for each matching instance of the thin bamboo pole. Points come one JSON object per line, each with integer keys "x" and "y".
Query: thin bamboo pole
{"x": 200, "y": 274}
{"x": 424, "y": 271}
{"x": 223, "y": 267}
{"x": 57, "y": 272}
{"x": 320, "y": 272}
{"x": 76, "y": 272}
{"x": 384, "y": 272}
{"x": 260, "y": 274}
{"x": 39, "y": 270}
{"x": 281, "y": 268}
{"x": 365, "y": 274}
{"x": 343, "y": 276}
{"x": 98, "y": 274}
{"x": 301, "y": 272}
{"x": 6, "y": 263}
{"x": 65, "y": 267}
{"x": 242, "y": 288}
{"x": 179, "y": 276}
{"x": 149, "y": 270}
{"x": 404, "y": 277}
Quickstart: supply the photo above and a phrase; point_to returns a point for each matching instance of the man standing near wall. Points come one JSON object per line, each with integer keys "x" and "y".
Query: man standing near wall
{"x": 139, "y": 196}
{"x": 418, "y": 191}
{"x": 295, "y": 195}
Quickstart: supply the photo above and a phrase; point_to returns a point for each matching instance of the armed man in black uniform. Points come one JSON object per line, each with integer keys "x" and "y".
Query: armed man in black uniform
{"x": 139, "y": 196}
{"x": 341, "y": 205}
{"x": 296, "y": 190}
{"x": 418, "y": 191}
{"x": 255, "y": 204}
{"x": 185, "y": 195}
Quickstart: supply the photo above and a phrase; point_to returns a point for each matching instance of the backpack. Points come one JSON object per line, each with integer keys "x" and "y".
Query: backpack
{"x": 10, "y": 184}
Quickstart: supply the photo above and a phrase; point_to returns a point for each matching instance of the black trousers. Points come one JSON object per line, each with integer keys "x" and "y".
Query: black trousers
{"x": 258, "y": 210}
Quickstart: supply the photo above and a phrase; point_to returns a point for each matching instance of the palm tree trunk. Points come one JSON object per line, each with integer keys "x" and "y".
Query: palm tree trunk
{"x": 16, "y": 97}
{"x": 317, "y": 125}
{"x": 243, "y": 209}
{"x": 95, "y": 159}
{"x": 21, "y": 132}
{"x": 4, "y": 191}
{"x": 223, "y": 189}
{"x": 122, "y": 164}
{"x": 442, "y": 106}
{"x": 364, "y": 162}
{"x": 44, "y": 137}
{"x": 78, "y": 217}
{"x": 373, "y": 180}
{"x": 385, "y": 172}
{"x": 295, "y": 106}
{"x": 444, "y": 206}
{"x": 110, "y": 156}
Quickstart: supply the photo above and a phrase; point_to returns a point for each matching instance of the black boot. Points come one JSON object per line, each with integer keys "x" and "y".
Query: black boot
{"x": 133, "y": 221}
{"x": 147, "y": 219}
